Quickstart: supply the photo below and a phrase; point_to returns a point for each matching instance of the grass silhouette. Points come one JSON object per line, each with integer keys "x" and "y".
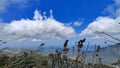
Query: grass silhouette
{"x": 59, "y": 59}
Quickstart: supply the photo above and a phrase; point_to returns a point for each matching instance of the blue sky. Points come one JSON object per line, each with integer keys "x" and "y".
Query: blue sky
{"x": 64, "y": 11}
{"x": 73, "y": 19}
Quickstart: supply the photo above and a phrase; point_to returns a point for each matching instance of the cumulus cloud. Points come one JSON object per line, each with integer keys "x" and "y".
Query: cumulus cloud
{"x": 108, "y": 24}
{"x": 3, "y": 34}
{"x": 102, "y": 24}
{"x": 40, "y": 26}
{"x": 4, "y": 4}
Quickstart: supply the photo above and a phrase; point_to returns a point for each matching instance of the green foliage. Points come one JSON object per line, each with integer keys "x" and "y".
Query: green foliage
{"x": 118, "y": 61}
{"x": 25, "y": 60}
{"x": 33, "y": 59}
{"x": 3, "y": 60}
{"x": 102, "y": 66}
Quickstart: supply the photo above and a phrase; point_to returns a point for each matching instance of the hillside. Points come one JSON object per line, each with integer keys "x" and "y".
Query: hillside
{"x": 109, "y": 54}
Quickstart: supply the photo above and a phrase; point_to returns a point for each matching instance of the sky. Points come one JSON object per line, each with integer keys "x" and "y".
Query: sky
{"x": 27, "y": 23}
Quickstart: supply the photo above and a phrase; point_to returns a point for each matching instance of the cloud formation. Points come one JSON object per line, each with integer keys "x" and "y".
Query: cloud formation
{"x": 102, "y": 24}
{"x": 36, "y": 40}
{"x": 113, "y": 9}
{"x": 40, "y": 26}
{"x": 108, "y": 24}
{"x": 77, "y": 23}
{"x": 4, "y": 4}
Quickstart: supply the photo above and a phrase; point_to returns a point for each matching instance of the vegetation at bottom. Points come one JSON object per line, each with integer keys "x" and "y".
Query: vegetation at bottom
{"x": 59, "y": 59}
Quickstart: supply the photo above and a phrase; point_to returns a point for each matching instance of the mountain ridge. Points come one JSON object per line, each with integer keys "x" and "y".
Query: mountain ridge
{"x": 110, "y": 53}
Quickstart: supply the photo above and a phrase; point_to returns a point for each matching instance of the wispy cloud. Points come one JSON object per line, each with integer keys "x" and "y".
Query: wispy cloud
{"x": 36, "y": 40}
{"x": 76, "y": 23}
{"x": 69, "y": 24}
{"x": 113, "y": 9}
{"x": 4, "y": 4}
{"x": 79, "y": 23}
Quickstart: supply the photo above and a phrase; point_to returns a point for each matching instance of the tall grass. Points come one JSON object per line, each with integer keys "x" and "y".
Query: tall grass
{"x": 62, "y": 60}
{"x": 59, "y": 59}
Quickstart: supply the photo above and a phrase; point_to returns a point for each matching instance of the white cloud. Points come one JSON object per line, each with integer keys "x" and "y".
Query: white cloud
{"x": 36, "y": 40}
{"x": 77, "y": 23}
{"x": 69, "y": 24}
{"x": 4, "y": 4}
{"x": 102, "y": 24}
{"x": 46, "y": 28}
{"x": 108, "y": 24}
{"x": 32, "y": 39}
{"x": 113, "y": 9}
